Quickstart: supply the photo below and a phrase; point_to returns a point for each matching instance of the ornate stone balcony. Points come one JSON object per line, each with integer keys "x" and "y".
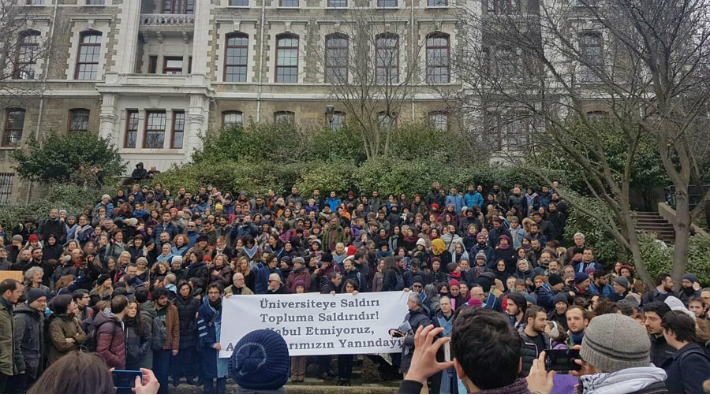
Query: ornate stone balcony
{"x": 169, "y": 20}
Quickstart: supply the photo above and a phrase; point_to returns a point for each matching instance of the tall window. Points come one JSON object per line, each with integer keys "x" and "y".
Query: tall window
{"x": 288, "y": 3}
{"x": 172, "y": 65}
{"x": 336, "y": 58}
{"x": 178, "y": 6}
{"x": 387, "y": 58}
{"x": 79, "y": 120}
{"x": 239, "y": 3}
{"x": 87, "y": 61}
{"x": 439, "y": 120}
{"x": 437, "y": 58}
{"x": 231, "y": 119}
{"x": 387, "y": 3}
{"x": 131, "y": 129}
{"x": 284, "y": 117}
{"x": 337, "y": 121}
{"x": 14, "y": 122}
{"x": 178, "y": 129}
{"x": 503, "y": 7}
{"x": 591, "y": 56}
{"x": 154, "y": 129}
{"x": 235, "y": 60}
{"x": 287, "y": 58}
{"x": 6, "y": 181}
{"x": 26, "y": 57}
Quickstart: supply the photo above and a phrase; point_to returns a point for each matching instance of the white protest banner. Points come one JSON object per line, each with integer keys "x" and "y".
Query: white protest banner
{"x": 315, "y": 324}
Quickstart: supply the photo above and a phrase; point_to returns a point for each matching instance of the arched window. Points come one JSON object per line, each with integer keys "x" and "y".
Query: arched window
{"x": 287, "y": 58}
{"x": 387, "y": 58}
{"x": 26, "y": 56}
{"x": 231, "y": 119}
{"x": 87, "y": 60}
{"x": 284, "y": 117}
{"x": 336, "y": 58}
{"x": 78, "y": 120}
{"x": 235, "y": 57}
{"x": 437, "y": 58}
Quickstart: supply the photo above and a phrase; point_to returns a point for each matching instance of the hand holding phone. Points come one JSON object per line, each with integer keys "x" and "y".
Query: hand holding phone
{"x": 562, "y": 360}
{"x": 126, "y": 379}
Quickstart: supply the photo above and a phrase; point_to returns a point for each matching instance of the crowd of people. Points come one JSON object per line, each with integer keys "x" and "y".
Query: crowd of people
{"x": 139, "y": 279}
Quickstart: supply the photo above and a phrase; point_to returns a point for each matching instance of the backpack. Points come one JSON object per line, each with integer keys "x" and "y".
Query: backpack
{"x": 400, "y": 282}
{"x": 92, "y": 338}
{"x": 160, "y": 333}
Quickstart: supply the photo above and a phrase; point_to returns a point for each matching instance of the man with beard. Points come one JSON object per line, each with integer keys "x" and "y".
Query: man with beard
{"x": 689, "y": 287}
{"x": 558, "y": 221}
{"x": 533, "y": 336}
{"x": 166, "y": 336}
{"x": 516, "y": 308}
{"x": 577, "y": 321}
{"x": 276, "y": 286}
{"x": 482, "y": 246}
{"x": 29, "y": 338}
{"x": 660, "y": 349}
{"x": 24, "y": 259}
{"x": 209, "y": 323}
{"x": 238, "y": 286}
{"x": 53, "y": 225}
{"x": 664, "y": 289}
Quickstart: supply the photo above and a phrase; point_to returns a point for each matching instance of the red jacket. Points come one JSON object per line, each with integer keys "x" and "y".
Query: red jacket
{"x": 111, "y": 341}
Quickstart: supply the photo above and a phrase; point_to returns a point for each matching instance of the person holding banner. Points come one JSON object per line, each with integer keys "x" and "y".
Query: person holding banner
{"x": 209, "y": 326}
{"x": 345, "y": 362}
{"x": 415, "y": 318}
{"x": 298, "y": 364}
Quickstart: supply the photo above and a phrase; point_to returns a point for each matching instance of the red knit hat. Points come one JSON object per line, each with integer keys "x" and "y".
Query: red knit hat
{"x": 33, "y": 237}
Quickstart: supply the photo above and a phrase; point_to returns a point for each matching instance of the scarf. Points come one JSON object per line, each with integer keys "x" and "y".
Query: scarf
{"x": 576, "y": 337}
{"x": 300, "y": 269}
{"x": 251, "y": 251}
{"x": 216, "y": 304}
{"x": 627, "y": 381}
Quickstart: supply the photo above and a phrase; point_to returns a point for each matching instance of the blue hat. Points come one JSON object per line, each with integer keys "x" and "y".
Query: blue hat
{"x": 260, "y": 361}
{"x": 580, "y": 277}
{"x": 690, "y": 277}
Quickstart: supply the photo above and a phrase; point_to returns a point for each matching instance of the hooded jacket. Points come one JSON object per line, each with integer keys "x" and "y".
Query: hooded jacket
{"x": 29, "y": 339}
{"x": 643, "y": 380}
{"x": 111, "y": 341}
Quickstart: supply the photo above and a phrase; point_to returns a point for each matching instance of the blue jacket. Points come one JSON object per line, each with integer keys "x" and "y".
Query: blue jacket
{"x": 207, "y": 321}
{"x": 109, "y": 209}
{"x": 457, "y": 201}
{"x": 606, "y": 291}
{"x": 192, "y": 237}
{"x": 333, "y": 203}
{"x": 261, "y": 282}
{"x": 474, "y": 199}
{"x": 171, "y": 229}
{"x": 546, "y": 297}
{"x": 579, "y": 268}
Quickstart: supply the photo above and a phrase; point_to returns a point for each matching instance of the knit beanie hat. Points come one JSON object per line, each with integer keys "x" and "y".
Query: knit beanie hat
{"x": 421, "y": 242}
{"x": 580, "y": 278}
{"x": 454, "y": 282}
{"x": 485, "y": 284}
{"x": 691, "y": 277}
{"x": 260, "y": 361}
{"x": 473, "y": 302}
{"x": 554, "y": 279}
{"x": 33, "y": 237}
{"x": 561, "y": 297}
{"x": 299, "y": 283}
{"x": 622, "y": 281}
{"x": 102, "y": 278}
{"x": 417, "y": 279}
{"x": 17, "y": 237}
{"x": 351, "y": 250}
{"x": 481, "y": 254}
{"x": 614, "y": 342}
{"x": 34, "y": 294}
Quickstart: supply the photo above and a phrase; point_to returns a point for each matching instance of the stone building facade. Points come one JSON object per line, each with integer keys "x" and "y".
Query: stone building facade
{"x": 153, "y": 75}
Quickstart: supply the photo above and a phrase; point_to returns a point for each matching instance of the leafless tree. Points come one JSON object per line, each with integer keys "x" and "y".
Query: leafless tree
{"x": 21, "y": 48}
{"x": 541, "y": 73}
{"x": 371, "y": 66}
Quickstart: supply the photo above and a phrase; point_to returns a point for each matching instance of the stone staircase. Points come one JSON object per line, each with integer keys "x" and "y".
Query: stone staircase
{"x": 652, "y": 222}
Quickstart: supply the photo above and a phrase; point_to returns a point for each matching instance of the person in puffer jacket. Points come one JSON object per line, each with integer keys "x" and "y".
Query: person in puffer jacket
{"x": 111, "y": 342}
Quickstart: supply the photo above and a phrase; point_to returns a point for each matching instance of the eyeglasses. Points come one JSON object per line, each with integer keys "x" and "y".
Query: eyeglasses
{"x": 416, "y": 286}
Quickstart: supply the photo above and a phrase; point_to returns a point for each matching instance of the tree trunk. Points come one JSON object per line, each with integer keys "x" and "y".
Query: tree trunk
{"x": 681, "y": 225}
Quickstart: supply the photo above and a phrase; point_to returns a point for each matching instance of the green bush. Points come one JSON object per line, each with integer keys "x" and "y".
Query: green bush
{"x": 63, "y": 196}
{"x": 659, "y": 259}
{"x": 60, "y": 158}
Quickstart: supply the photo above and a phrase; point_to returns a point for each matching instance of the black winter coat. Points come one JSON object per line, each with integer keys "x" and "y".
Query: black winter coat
{"x": 137, "y": 344}
{"x": 687, "y": 369}
{"x": 187, "y": 312}
{"x": 29, "y": 339}
{"x": 529, "y": 351}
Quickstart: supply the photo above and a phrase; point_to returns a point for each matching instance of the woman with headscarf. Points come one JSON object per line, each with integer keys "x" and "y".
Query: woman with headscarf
{"x": 438, "y": 248}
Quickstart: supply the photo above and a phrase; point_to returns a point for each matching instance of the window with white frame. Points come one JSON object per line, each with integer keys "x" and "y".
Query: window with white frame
{"x": 89, "y": 55}
{"x": 231, "y": 119}
{"x": 28, "y": 47}
{"x": 287, "y": 58}
{"x": 387, "y": 58}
